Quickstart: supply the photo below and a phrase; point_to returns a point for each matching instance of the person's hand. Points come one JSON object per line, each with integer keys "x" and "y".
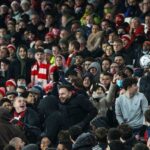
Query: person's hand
{"x": 115, "y": 78}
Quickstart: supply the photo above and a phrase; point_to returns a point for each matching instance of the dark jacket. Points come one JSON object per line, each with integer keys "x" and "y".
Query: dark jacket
{"x": 7, "y": 130}
{"x": 84, "y": 142}
{"x": 51, "y": 118}
{"x": 145, "y": 86}
{"x": 77, "y": 110}
{"x": 15, "y": 70}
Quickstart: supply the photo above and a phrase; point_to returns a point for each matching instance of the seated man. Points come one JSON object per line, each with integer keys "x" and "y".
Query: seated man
{"x": 131, "y": 105}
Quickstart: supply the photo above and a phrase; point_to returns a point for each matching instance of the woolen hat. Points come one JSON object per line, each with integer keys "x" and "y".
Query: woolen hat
{"x": 10, "y": 82}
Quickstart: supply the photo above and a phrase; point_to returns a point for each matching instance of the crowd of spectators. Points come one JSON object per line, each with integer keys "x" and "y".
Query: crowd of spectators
{"x": 74, "y": 74}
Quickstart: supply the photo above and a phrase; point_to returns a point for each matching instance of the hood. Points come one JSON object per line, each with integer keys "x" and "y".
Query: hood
{"x": 95, "y": 65}
{"x": 85, "y": 140}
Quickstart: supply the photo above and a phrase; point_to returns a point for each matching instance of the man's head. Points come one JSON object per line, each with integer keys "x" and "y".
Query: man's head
{"x": 39, "y": 55}
{"x": 130, "y": 84}
{"x": 17, "y": 142}
{"x": 126, "y": 132}
{"x": 65, "y": 93}
{"x": 19, "y": 104}
{"x": 113, "y": 135}
{"x": 117, "y": 45}
{"x": 119, "y": 59}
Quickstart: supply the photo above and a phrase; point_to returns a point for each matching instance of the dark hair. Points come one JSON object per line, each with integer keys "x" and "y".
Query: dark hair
{"x": 113, "y": 134}
{"x": 108, "y": 74}
{"x": 128, "y": 82}
{"x": 116, "y": 145}
{"x": 3, "y": 100}
{"x": 140, "y": 146}
{"x": 126, "y": 131}
{"x": 147, "y": 115}
{"x": 107, "y": 59}
{"x": 122, "y": 74}
{"x": 101, "y": 134}
{"x": 66, "y": 86}
{"x": 64, "y": 139}
{"x": 76, "y": 44}
{"x": 75, "y": 131}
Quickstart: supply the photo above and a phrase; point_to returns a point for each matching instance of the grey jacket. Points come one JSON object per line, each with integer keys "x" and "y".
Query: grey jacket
{"x": 105, "y": 102}
{"x": 131, "y": 110}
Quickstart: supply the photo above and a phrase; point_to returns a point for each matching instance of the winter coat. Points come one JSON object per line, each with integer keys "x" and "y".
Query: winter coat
{"x": 31, "y": 125}
{"x": 77, "y": 110}
{"x": 102, "y": 104}
{"x": 51, "y": 118}
{"x": 7, "y": 130}
{"x": 145, "y": 86}
{"x": 94, "y": 41}
{"x": 15, "y": 69}
{"x": 97, "y": 66}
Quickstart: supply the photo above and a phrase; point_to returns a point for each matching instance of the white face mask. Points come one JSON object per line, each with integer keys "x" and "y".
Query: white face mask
{"x": 95, "y": 95}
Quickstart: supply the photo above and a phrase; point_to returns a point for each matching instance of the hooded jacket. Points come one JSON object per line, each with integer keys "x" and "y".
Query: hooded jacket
{"x": 97, "y": 66}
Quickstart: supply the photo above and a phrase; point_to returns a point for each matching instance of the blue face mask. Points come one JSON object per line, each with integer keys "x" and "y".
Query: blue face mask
{"x": 119, "y": 83}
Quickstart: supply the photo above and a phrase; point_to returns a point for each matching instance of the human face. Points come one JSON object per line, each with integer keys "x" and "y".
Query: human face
{"x": 11, "y": 97}
{"x": 64, "y": 95}
{"x": 106, "y": 80}
{"x": 39, "y": 56}
{"x": 45, "y": 142}
{"x": 7, "y": 105}
{"x": 19, "y": 143}
{"x": 20, "y": 91}
{"x": 59, "y": 62}
{"x": 86, "y": 82}
{"x": 55, "y": 50}
{"x": 114, "y": 68}
{"x": 117, "y": 46}
{"x": 30, "y": 98}
{"x": 10, "y": 88}
{"x": 20, "y": 104}
{"x": 105, "y": 65}
{"x": 119, "y": 60}
{"x": 78, "y": 60}
{"x": 4, "y": 67}
{"x": 87, "y": 64}
{"x": 109, "y": 51}
{"x": 22, "y": 53}
{"x": 95, "y": 28}
{"x": 93, "y": 71}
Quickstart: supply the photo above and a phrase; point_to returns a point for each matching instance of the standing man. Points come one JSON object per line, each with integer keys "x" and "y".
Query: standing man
{"x": 131, "y": 105}
{"x": 75, "y": 108}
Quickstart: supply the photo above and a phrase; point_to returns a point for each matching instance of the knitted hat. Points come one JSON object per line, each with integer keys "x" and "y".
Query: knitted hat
{"x": 10, "y": 82}
{"x": 11, "y": 46}
{"x": 2, "y": 91}
{"x": 127, "y": 37}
